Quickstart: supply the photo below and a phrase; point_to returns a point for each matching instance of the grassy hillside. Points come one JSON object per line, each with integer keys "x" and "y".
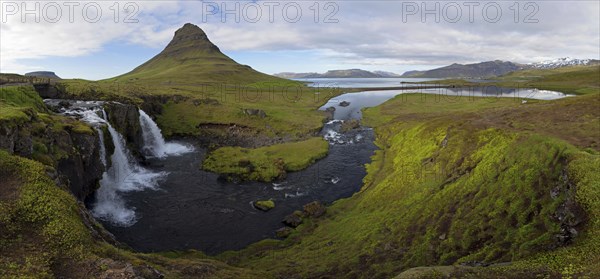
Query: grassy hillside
{"x": 472, "y": 180}
{"x": 577, "y": 80}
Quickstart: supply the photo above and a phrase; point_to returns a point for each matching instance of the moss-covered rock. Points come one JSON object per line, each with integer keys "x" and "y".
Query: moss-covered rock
{"x": 264, "y": 205}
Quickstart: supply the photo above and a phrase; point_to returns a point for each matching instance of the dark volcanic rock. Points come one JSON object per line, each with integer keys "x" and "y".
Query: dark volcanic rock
{"x": 293, "y": 220}
{"x": 125, "y": 118}
{"x": 569, "y": 214}
{"x": 206, "y": 101}
{"x": 344, "y": 104}
{"x": 314, "y": 209}
{"x": 74, "y": 155}
{"x": 153, "y": 104}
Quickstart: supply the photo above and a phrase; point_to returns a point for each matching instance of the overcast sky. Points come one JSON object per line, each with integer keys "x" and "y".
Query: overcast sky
{"x": 74, "y": 41}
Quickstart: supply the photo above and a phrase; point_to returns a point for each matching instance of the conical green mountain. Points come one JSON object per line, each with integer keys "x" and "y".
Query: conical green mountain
{"x": 191, "y": 58}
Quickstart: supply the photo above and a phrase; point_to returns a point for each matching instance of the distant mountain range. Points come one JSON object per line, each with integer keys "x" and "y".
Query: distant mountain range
{"x": 563, "y": 62}
{"x": 350, "y": 73}
{"x": 493, "y": 68}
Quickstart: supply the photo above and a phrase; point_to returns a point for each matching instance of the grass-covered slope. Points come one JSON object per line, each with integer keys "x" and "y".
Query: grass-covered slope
{"x": 17, "y": 101}
{"x": 265, "y": 163}
{"x": 577, "y": 80}
{"x": 461, "y": 181}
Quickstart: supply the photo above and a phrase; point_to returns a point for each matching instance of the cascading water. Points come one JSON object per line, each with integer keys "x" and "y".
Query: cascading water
{"x": 123, "y": 175}
{"x": 102, "y": 146}
{"x": 154, "y": 143}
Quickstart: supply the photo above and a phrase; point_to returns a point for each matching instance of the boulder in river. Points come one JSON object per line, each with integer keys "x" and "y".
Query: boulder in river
{"x": 293, "y": 220}
{"x": 264, "y": 205}
{"x": 314, "y": 209}
{"x": 349, "y": 125}
{"x": 329, "y": 112}
{"x": 344, "y": 104}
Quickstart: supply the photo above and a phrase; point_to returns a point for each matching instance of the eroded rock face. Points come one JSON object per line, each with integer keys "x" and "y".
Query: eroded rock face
{"x": 153, "y": 104}
{"x": 74, "y": 155}
{"x": 569, "y": 214}
{"x": 83, "y": 169}
{"x": 125, "y": 118}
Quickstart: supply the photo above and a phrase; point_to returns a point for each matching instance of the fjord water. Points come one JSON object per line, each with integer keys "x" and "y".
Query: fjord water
{"x": 359, "y": 100}
{"x": 361, "y": 82}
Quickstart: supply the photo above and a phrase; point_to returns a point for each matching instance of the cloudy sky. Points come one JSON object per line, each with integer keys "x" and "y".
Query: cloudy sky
{"x": 96, "y": 40}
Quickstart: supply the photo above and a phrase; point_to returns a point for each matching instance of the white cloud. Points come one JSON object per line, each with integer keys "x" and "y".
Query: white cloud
{"x": 368, "y": 33}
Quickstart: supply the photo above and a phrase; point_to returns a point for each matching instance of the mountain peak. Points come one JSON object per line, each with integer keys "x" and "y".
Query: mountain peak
{"x": 188, "y": 37}
{"x": 191, "y": 57}
{"x": 190, "y": 31}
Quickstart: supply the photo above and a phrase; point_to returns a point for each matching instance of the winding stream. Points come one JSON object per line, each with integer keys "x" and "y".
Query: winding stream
{"x": 174, "y": 205}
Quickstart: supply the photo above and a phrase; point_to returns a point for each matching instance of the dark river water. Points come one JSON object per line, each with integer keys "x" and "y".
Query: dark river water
{"x": 194, "y": 209}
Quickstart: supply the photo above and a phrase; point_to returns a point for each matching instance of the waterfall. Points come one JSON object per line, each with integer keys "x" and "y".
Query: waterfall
{"x": 124, "y": 174}
{"x": 102, "y": 146}
{"x": 154, "y": 143}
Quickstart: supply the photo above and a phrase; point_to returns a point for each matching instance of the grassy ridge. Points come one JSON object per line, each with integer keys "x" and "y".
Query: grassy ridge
{"x": 17, "y": 101}
{"x": 454, "y": 183}
{"x": 579, "y": 80}
{"x": 266, "y": 163}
